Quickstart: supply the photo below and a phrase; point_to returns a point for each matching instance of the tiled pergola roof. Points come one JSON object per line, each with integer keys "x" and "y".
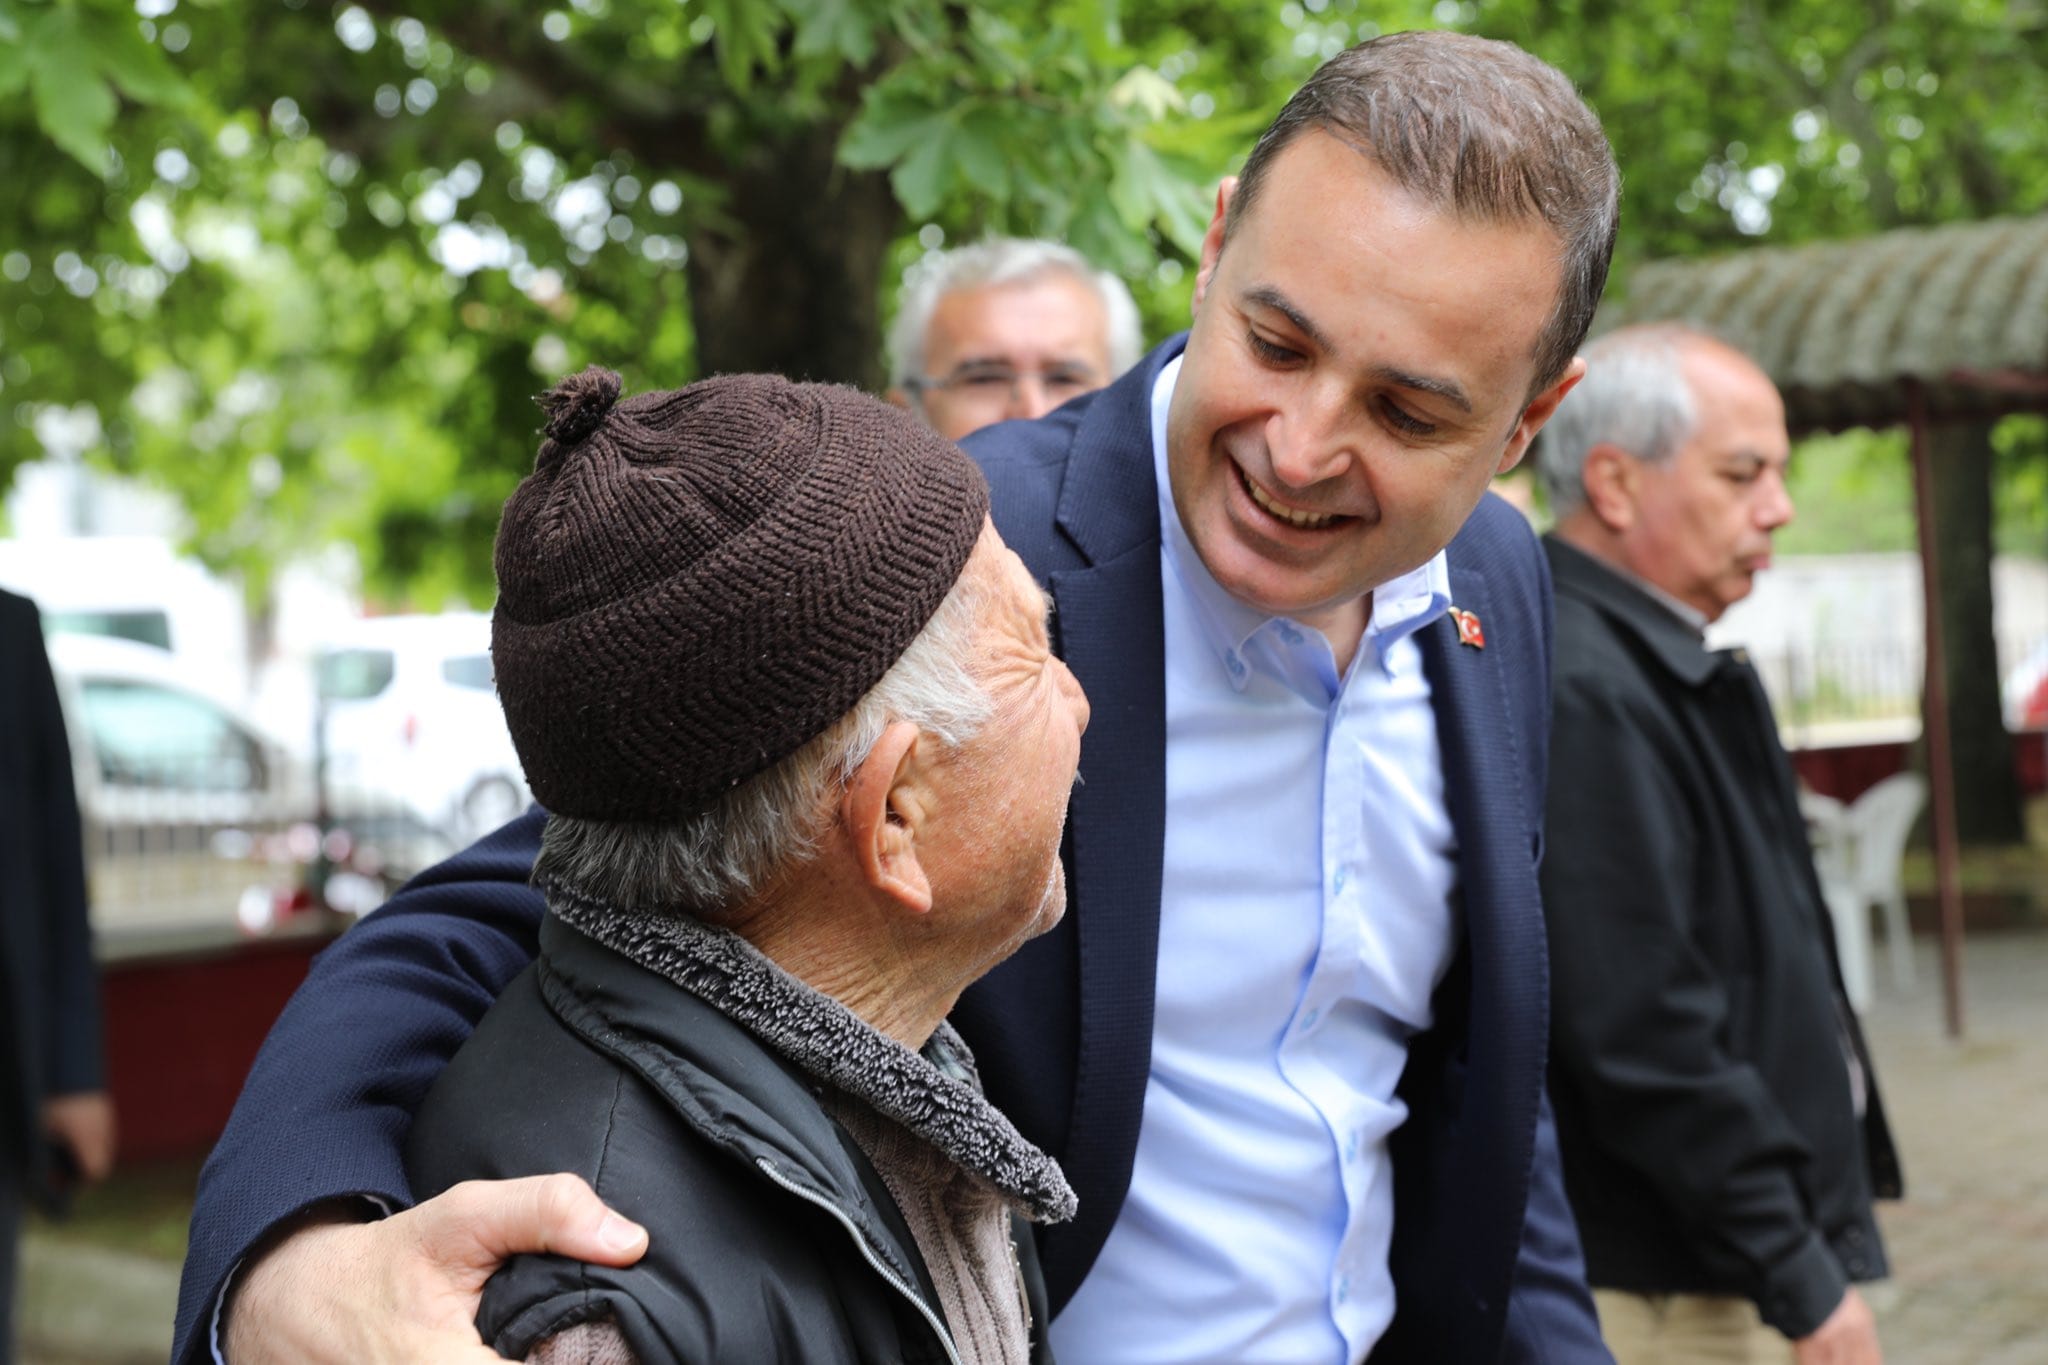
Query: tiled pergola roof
{"x": 1840, "y": 326}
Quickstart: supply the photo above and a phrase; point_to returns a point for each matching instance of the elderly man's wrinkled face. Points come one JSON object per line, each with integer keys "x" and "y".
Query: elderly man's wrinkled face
{"x": 1006, "y": 351}
{"x": 997, "y": 876}
{"x": 1703, "y": 519}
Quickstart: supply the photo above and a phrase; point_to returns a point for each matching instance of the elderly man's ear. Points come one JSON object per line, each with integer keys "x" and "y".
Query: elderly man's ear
{"x": 1611, "y": 477}
{"x": 887, "y": 813}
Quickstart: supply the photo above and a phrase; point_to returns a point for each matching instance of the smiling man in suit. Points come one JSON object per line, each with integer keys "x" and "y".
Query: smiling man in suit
{"x": 1289, "y": 1043}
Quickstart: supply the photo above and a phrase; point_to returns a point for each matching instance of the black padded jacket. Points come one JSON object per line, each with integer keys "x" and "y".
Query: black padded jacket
{"x": 772, "y": 1238}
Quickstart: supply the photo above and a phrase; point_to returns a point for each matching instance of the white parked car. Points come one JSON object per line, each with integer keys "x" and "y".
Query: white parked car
{"x": 412, "y": 727}
{"x": 196, "y": 820}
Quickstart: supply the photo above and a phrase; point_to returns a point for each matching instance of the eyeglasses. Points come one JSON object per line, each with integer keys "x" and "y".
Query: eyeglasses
{"x": 989, "y": 381}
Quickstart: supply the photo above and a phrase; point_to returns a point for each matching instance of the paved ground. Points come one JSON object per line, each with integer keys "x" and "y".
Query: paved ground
{"x": 1969, "y": 1247}
{"x": 1969, "y": 1244}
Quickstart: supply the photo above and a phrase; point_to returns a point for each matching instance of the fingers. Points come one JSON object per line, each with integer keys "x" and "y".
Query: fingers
{"x": 407, "y": 1288}
{"x": 479, "y": 1223}
{"x": 1848, "y": 1337}
{"x": 84, "y": 1123}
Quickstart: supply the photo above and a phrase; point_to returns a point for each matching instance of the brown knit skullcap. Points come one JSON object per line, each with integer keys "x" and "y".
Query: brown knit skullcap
{"x": 692, "y": 584}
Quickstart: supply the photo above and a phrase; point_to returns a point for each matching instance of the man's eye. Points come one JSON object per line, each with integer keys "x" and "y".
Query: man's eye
{"x": 1403, "y": 420}
{"x": 985, "y": 379}
{"x": 1068, "y": 381}
{"x": 1270, "y": 352}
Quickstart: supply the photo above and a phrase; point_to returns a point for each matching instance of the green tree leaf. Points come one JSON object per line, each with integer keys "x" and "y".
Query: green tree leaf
{"x": 834, "y": 28}
{"x": 137, "y": 66}
{"x": 73, "y": 104}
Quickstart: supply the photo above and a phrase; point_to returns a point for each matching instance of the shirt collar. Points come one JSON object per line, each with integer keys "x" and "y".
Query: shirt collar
{"x": 1400, "y": 607}
{"x": 1694, "y": 619}
{"x": 1630, "y": 601}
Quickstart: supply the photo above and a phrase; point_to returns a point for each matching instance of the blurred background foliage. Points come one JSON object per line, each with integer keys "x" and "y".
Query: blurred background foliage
{"x": 304, "y": 264}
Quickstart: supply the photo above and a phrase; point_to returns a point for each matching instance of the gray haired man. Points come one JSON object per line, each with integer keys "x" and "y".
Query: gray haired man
{"x": 1006, "y": 328}
{"x": 1721, "y": 1129}
{"x": 806, "y": 750}
{"x": 1289, "y": 1044}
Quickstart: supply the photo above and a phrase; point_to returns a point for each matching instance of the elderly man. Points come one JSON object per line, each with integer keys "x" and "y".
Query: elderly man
{"x": 806, "y": 752}
{"x": 1289, "y": 1045}
{"x": 1721, "y": 1126}
{"x": 1006, "y": 328}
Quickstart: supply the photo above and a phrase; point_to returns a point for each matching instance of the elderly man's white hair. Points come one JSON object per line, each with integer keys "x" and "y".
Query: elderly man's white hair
{"x": 996, "y": 261}
{"x": 710, "y": 863}
{"x": 1635, "y": 396}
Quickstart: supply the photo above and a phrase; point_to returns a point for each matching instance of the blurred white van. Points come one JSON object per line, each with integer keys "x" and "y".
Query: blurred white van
{"x": 412, "y": 725}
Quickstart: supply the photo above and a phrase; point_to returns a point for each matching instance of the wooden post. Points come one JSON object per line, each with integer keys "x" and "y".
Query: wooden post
{"x": 1941, "y": 776}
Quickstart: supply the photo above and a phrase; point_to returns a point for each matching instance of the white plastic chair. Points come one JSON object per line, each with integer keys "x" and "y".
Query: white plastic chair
{"x": 1834, "y": 860}
{"x": 1878, "y": 822}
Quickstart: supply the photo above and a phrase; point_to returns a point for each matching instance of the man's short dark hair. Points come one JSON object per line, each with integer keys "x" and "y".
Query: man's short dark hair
{"x": 1480, "y": 128}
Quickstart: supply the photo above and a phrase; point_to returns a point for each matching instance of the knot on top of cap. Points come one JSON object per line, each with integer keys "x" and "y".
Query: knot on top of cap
{"x": 576, "y": 406}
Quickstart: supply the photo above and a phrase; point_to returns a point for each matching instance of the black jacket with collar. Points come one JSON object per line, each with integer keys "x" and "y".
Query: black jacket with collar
{"x": 1704, "y": 1101}
{"x": 771, "y": 1236}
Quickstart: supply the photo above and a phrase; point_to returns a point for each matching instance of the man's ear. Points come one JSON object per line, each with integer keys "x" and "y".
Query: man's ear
{"x": 1611, "y": 478}
{"x": 1539, "y": 411}
{"x": 899, "y": 398}
{"x": 886, "y": 812}
{"x": 1212, "y": 242}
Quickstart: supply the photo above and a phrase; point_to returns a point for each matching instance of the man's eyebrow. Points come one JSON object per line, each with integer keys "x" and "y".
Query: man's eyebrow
{"x": 1266, "y": 296}
{"x": 1452, "y": 392}
{"x": 1449, "y": 390}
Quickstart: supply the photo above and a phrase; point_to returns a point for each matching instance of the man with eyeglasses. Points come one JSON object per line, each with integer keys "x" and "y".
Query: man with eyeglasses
{"x": 1006, "y": 328}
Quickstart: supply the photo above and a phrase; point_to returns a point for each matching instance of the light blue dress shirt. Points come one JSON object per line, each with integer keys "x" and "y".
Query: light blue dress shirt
{"x": 1305, "y": 922}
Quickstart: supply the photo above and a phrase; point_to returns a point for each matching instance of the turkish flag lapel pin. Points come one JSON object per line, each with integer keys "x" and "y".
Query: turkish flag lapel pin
{"x": 1469, "y": 632}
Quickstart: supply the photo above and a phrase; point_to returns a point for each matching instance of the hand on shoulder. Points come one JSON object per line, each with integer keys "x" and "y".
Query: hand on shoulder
{"x": 333, "y": 1288}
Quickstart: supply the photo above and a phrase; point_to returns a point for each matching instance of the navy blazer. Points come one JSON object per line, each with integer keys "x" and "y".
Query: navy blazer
{"x": 1485, "y": 1254}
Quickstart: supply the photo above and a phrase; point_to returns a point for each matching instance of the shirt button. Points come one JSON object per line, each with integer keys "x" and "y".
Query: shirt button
{"x": 1343, "y": 876}
{"x": 1290, "y": 634}
{"x": 1236, "y": 666}
{"x": 1309, "y": 1020}
{"x": 1343, "y": 1288}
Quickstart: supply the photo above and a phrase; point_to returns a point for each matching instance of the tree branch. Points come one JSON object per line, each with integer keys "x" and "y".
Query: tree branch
{"x": 652, "y": 121}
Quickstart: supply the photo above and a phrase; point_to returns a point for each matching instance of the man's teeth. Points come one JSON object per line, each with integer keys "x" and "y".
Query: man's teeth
{"x": 1307, "y": 521}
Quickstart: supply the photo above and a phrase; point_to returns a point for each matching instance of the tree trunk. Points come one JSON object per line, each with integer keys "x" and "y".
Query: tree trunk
{"x": 1987, "y": 791}
{"x": 787, "y": 276}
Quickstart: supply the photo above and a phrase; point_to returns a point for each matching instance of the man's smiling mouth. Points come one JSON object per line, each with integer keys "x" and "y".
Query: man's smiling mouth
{"x": 1307, "y": 521}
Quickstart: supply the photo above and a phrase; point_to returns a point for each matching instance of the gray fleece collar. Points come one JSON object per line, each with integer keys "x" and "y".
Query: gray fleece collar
{"x": 935, "y": 1094}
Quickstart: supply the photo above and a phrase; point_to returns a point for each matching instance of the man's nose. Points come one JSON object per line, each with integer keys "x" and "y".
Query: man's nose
{"x": 1077, "y": 697}
{"x": 1775, "y": 508}
{"x": 1308, "y": 443}
{"x": 1028, "y": 397}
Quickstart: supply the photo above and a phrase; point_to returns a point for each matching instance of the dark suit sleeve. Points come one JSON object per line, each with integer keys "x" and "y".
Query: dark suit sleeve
{"x": 1639, "y": 1013}
{"x": 1551, "y": 1320}
{"x": 72, "y": 1055}
{"x": 325, "y": 1111}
